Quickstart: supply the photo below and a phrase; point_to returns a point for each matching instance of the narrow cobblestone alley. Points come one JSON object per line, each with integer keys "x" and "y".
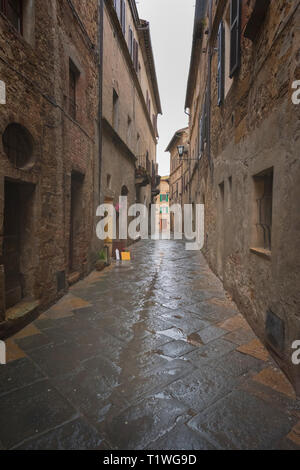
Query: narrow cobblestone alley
{"x": 145, "y": 355}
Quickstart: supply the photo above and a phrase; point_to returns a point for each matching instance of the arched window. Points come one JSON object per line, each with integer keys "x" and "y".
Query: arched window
{"x": 18, "y": 145}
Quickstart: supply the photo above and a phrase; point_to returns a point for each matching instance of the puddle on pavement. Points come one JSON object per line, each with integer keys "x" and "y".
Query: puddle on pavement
{"x": 195, "y": 340}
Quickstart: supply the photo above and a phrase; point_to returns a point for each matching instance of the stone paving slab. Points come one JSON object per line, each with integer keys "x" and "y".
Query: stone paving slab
{"x": 31, "y": 410}
{"x": 76, "y": 435}
{"x": 241, "y": 421}
{"x": 152, "y": 354}
{"x": 181, "y": 438}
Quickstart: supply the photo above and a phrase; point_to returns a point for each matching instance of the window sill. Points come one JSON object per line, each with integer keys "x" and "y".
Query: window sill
{"x": 263, "y": 253}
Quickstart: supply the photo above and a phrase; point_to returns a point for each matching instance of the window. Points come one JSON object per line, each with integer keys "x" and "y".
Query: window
{"x": 148, "y": 163}
{"x": 123, "y": 16}
{"x": 263, "y": 191}
{"x": 135, "y": 56}
{"x": 221, "y": 64}
{"x": 154, "y": 122}
{"x": 148, "y": 102}
{"x": 73, "y": 78}
{"x": 227, "y": 35}
{"x": 256, "y": 19}
{"x": 129, "y": 129}
{"x": 130, "y": 41}
{"x": 230, "y": 193}
{"x": 133, "y": 50}
{"x": 235, "y": 36}
{"x": 222, "y": 191}
{"x": 203, "y": 128}
{"x": 12, "y": 9}
{"x": 108, "y": 181}
{"x": 164, "y": 210}
{"x": 117, "y": 5}
{"x": 115, "y": 120}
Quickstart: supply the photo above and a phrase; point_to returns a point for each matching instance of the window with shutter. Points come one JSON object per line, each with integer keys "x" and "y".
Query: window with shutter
{"x": 235, "y": 36}
{"x": 123, "y": 16}
{"x": 133, "y": 50}
{"x": 73, "y": 79}
{"x": 221, "y": 63}
{"x": 203, "y": 126}
{"x": 117, "y": 5}
{"x": 256, "y": 19}
{"x": 136, "y": 57}
{"x": 201, "y": 142}
{"x": 130, "y": 41}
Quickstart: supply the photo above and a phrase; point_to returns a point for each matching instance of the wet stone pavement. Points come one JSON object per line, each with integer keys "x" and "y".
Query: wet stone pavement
{"x": 150, "y": 354}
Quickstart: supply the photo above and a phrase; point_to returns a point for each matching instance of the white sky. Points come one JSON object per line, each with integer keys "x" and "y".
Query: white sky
{"x": 171, "y": 24}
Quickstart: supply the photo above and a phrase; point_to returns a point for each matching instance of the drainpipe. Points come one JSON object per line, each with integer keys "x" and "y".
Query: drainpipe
{"x": 210, "y": 53}
{"x": 100, "y": 73}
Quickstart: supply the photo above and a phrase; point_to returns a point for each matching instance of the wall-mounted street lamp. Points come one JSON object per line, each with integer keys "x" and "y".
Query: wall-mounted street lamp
{"x": 182, "y": 149}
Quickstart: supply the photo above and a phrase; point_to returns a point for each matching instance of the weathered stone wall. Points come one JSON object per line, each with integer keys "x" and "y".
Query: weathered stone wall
{"x": 36, "y": 72}
{"x": 257, "y": 128}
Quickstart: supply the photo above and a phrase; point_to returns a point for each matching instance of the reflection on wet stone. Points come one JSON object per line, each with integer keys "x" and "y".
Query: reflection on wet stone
{"x": 152, "y": 355}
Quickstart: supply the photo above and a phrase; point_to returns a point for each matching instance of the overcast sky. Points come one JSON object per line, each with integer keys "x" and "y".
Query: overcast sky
{"x": 171, "y": 23}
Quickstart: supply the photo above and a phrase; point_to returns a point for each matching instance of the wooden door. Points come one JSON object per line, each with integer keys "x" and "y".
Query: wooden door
{"x": 12, "y": 244}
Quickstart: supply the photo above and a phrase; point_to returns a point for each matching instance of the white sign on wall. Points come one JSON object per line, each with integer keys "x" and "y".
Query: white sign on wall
{"x": 2, "y": 353}
{"x": 2, "y": 92}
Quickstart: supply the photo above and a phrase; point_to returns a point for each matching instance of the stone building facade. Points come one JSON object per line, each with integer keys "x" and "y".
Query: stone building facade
{"x": 78, "y": 127}
{"x": 244, "y": 131}
{"x": 131, "y": 104}
{"x": 179, "y": 168}
{"x": 49, "y": 152}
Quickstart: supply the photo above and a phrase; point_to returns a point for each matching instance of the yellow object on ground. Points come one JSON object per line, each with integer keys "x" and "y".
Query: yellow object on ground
{"x": 125, "y": 256}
